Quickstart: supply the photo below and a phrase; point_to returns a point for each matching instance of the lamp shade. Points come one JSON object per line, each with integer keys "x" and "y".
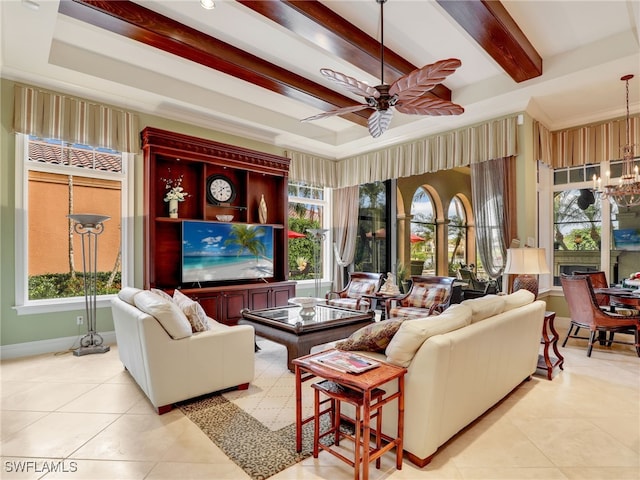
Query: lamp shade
{"x": 531, "y": 261}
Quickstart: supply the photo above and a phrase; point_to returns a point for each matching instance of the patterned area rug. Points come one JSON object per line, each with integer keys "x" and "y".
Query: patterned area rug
{"x": 256, "y": 427}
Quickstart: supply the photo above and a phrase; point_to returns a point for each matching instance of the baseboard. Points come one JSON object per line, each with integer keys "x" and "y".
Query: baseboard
{"x": 53, "y": 345}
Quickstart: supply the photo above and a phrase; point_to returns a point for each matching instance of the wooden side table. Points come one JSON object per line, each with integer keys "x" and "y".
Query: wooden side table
{"x": 550, "y": 340}
{"x": 366, "y": 384}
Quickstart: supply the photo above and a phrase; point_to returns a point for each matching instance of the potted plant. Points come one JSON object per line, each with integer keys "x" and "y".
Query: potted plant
{"x": 401, "y": 275}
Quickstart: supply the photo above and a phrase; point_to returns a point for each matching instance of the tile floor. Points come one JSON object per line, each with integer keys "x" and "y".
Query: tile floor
{"x": 85, "y": 416}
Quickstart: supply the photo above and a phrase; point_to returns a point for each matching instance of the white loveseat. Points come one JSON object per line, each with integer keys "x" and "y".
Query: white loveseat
{"x": 459, "y": 364}
{"x": 168, "y": 361}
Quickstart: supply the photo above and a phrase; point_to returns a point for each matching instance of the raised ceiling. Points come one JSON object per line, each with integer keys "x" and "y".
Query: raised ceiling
{"x": 251, "y": 68}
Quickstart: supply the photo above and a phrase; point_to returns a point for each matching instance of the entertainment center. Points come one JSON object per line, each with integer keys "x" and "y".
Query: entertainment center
{"x": 218, "y": 180}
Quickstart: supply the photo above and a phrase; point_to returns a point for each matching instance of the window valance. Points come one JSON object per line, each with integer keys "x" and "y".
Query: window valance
{"x": 457, "y": 148}
{"x": 47, "y": 114}
{"x": 584, "y": 145}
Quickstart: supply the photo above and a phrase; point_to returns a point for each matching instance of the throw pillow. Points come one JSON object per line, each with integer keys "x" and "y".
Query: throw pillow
{"x": 485, "y": 307}
{"x": 127, "y": 294}
{"x": 193, "y": 310}
{"x": 162, "y": 293}
{"x": 413, "y": 333}
{"x": 167, "y": 313}
{"x": 372, "y": 338}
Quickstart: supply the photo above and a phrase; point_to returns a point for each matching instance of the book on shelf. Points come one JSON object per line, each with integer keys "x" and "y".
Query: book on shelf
{"x": 347, "y": 362}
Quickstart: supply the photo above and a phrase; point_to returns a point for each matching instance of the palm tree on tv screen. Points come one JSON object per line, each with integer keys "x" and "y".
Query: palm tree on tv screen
{"x": 247, "y": 239}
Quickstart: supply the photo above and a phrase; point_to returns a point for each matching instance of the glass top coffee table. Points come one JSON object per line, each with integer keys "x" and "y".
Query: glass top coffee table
{"x": 298, "y": 332}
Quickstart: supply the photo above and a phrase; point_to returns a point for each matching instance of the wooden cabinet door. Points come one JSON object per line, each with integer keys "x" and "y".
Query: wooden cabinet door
{"x": 260, "y": 298}
{"x": 233, "y": 302}
{"x": 282, "y": 295}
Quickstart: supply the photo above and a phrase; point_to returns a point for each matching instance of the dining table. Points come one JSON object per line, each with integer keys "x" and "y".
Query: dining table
{"x": 622, "y": 297}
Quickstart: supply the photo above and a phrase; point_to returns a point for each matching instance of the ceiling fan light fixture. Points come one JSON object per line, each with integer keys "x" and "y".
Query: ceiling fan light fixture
{"x": 410, "y": 94}
{"x": 208, "y": 4}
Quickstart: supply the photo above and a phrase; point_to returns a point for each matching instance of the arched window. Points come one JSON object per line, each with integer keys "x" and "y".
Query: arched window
{"x": 457, "y": 235}
{"x": 423, "y": 231}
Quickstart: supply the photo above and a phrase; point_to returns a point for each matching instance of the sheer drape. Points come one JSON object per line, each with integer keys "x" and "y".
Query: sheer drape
{"x": 345, "y": 219}
{"x": 493, "y": 191}
{"x": 47, "y": 114}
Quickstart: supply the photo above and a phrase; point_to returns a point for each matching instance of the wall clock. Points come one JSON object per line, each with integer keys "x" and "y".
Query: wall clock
{"x": 220, "y": 189}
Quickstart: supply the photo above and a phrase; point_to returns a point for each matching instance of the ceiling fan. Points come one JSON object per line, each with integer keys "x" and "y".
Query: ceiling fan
{"x": 408, "y": 94}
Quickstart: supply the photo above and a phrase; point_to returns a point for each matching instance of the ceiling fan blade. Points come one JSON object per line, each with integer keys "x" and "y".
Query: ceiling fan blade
{"x": 379, "y": 121}
{"x": 350, "y": 83}
{"x": 421, "y": 80}
{"x": 429, "y": 105}
{"x": 337, "y": 111}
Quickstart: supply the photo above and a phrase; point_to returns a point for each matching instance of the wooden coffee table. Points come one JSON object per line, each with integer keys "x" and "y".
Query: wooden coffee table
{"x": 299, "y": 333}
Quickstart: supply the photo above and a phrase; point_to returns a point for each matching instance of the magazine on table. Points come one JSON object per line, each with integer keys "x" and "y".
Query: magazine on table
{"x": 347, "y": 362}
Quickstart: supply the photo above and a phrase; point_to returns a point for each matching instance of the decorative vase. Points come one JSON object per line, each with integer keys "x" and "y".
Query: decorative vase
{"x": 262, "y": 210}
{"x": 173, "y": 208}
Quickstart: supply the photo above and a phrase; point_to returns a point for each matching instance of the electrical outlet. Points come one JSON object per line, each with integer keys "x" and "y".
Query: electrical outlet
{"x": 79, "y": 320}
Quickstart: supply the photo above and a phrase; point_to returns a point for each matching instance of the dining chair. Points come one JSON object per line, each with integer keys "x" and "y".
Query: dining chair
{"x": 586, "y": 313}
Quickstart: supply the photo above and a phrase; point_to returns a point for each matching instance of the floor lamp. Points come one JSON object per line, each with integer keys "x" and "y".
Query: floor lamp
{"x": 89, "y": 226}
{"x": 318, "y": 237}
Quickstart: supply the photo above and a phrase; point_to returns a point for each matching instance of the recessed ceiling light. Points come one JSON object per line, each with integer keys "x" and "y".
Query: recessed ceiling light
{"x": 208, "y": 4}
{"x": 31, "y": 4}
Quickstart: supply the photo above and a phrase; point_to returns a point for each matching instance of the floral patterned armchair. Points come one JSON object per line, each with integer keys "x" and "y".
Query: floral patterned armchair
{"x": 360, "y": 283}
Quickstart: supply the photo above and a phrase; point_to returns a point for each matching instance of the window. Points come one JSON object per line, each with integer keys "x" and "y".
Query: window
{"x": 457, "y": 233}
{"x": 584, "y": 227}
{"x": 372, "y": 243}
{"x": 306, "y": 212}
{"x": 423, "y": 232}
{"x": 57, "y": 179}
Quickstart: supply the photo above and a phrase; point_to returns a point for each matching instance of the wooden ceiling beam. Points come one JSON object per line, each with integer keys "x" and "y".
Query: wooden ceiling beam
{"x": 312, "y": 20}
{"x": 143, "y": 25}
{"x": 489, "y": 23}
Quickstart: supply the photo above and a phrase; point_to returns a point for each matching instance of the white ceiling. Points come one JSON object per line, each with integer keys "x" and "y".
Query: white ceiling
{"x": 586, "y": 46}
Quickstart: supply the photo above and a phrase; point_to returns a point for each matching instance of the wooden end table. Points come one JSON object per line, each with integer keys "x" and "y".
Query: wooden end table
{"x": 366, "y": 382}
{"x": 550, "y": 340}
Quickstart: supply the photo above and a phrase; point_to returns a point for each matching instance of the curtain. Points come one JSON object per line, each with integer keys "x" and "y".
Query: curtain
{"x": 458, "y": 148}
{"x": 346, "y": 202}
{"x": 51, "y": 115}
{"x": 493, "y": 191}
{"x": 589, "y": 144}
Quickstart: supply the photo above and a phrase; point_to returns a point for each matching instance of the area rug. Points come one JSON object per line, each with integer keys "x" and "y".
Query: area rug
{"x": 253, "y": 441}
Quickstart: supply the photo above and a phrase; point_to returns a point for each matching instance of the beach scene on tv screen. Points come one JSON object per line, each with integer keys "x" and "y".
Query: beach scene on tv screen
{"x": 223, "y": 251}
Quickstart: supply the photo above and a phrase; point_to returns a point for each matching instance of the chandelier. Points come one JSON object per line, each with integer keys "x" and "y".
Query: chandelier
{"x": 625, "y": 193}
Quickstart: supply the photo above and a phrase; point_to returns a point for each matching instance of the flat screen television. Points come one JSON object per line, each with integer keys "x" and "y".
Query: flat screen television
{"x": 627, "y": 239}
{"x": 216, "y": 252}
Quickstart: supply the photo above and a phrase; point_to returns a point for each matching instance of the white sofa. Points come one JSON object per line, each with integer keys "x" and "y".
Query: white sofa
{"x": 168, "y": 361}
{"x": 459, "y": 364}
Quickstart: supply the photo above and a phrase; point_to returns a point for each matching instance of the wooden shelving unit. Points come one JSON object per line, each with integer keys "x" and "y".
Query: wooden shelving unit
{"x": 253, "y": 174}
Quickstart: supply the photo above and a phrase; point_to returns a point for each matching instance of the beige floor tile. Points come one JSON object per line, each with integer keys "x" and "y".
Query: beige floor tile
{"x": 607, "y": 473}
{"x": 45, "y": 396}
{"x": 57, "y": 435}
{"x": 576, "y": 442}
{"x": 106, "y": 398}
{"x": 136, "y": 437}
{"x": 103, "y": 470}
{"x": 14, "y": 421}
{"x": 529, "y": 473}
{"x": 197, "y": 471}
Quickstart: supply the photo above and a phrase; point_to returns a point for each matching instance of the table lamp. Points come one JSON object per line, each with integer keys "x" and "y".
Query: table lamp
{"x": 526, "y": 262}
